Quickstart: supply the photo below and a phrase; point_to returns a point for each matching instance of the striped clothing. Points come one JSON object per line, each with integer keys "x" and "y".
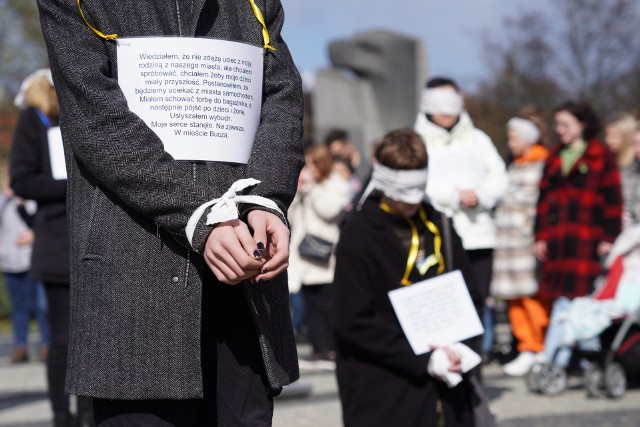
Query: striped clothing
{"x": 514, "y": 263}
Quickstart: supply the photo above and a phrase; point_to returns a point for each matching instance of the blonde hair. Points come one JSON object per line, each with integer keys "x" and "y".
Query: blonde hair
{"x": 626, "y": 124}
{"x": 321, "y": 158}
{"x": 40, "y": 94}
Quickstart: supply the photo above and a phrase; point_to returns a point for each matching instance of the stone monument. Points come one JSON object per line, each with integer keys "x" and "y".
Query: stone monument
{"x": 373, "y": 86}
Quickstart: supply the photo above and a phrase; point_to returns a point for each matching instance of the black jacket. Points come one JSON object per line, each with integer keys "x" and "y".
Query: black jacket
{"x": 381, "y": 380}
{"x": 31, "y": 178}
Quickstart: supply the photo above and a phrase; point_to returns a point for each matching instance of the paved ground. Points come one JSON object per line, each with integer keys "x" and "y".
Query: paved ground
{"x": 23, "y": 401}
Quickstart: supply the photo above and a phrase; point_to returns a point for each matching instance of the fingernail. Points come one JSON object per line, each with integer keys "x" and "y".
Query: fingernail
{"x": 264, "y": 270}
{"x": 261, "y": 246}
{"x": 257, "y": 254}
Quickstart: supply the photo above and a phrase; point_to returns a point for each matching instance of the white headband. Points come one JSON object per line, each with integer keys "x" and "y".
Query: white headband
{"x": 525, "y": 128}
{"x": 441, "y": 100}
{"x": 408, "y": 186}
{"x": 20, "y": 100}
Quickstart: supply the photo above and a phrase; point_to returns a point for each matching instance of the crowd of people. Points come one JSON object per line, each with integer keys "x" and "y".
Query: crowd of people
{"x": 533, "y": 231}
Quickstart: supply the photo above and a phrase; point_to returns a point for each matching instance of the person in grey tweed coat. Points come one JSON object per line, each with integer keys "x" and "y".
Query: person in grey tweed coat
{"x": 156, "y": 330}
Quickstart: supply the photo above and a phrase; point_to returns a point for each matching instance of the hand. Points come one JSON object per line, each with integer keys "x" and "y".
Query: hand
{"x": 305, "y": 179}
{"x": 468, "y": 199}
{"x": 25, "y": 238}
{"x": 229, "y": 252}
{"x": 454, "y": 359}
{"x": 269, "y": 230}
{"x": 540, "y": 249}
{"x": 627, "y": 220}
{"x": 604, "y": 248}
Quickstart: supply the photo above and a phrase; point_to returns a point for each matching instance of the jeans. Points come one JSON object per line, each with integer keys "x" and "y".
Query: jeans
{"x": 555, "y": 333}
{"x": 297, "y": 310}
{"x": 488, "y": 323}
{"x": 27, "y": 301}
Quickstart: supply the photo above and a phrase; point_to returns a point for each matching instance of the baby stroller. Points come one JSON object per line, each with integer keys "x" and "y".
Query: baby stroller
{"x": 612, "y": 316}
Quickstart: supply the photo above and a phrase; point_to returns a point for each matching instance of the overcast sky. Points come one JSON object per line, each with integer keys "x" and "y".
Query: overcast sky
{"x": 449, "y": 29}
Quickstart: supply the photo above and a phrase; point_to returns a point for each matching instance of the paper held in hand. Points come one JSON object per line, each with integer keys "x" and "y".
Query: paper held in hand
{"x": 436, "y": 312}
{"x": 202, "y": 97}
{"x": 56, "y": 153}
{"x": 463, "y": 167}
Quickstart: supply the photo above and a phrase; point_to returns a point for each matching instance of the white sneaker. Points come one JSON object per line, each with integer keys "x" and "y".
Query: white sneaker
{"x": 521, "y": 365}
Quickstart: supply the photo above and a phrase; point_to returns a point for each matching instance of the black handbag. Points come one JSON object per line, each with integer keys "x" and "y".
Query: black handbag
{"x": 313, "y": 248}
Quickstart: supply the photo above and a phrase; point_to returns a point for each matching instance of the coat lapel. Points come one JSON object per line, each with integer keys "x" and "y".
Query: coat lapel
{"x": 190, "y": 16}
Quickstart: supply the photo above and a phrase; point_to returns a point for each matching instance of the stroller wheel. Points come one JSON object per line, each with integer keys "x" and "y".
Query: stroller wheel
{"x": 552, "y": 379}
{"x": 532, "y": 378}
{"x": 615, "y": 381}
{"x": 594, "y": 380}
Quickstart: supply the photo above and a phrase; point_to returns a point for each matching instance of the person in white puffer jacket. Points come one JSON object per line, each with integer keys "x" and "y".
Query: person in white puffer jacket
{"x": 467, "y": 177}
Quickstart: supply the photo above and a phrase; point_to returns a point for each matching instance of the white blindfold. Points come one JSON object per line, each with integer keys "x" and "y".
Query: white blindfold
{"x": 408, "y": 186}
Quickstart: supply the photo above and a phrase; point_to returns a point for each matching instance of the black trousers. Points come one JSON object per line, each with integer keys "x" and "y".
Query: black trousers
{"x": 318, "y": 305}
{"x": 59, "y": 310}
{"x": 233, "y": 375}
{"x": 482, "y": 266}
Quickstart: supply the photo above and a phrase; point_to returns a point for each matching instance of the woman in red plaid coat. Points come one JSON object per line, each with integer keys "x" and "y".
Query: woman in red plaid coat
{"x": 579, "y": 208}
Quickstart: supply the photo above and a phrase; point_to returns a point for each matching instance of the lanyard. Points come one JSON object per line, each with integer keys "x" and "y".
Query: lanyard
{"x": 435, "y": 258}
{"x": 44, "y": 119}
{"x": 256, "y": 12}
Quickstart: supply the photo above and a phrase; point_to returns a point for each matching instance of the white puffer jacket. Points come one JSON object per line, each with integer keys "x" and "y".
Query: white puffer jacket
{"x": 475, "y": 226}
{"x": 317, "y": 211}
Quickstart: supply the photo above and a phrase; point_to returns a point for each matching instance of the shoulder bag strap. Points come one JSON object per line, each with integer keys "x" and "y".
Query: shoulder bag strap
{"x": 448, "y": 242}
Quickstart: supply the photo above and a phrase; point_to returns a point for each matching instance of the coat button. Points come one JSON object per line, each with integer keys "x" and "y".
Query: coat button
{"x": 175, "y": 279}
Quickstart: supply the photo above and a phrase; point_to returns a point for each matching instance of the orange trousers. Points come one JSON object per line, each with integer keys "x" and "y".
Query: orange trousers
{"x": 529, "y": 318}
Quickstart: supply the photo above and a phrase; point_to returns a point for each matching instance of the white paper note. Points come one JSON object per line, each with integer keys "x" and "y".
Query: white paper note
{"x": 463, "y": 167}
{"x": 436, "y": 312}
{"x": 202, "y": 97}
{"x": 56, "y": 153}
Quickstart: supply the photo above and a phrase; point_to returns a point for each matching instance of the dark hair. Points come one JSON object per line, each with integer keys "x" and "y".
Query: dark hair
{"x": 401, "y": 149}
{"x": 584, "y": 114}
{"x": 336, "y": 135}
{"x": 442, "y": 81}
{"x": 343, "y": 161}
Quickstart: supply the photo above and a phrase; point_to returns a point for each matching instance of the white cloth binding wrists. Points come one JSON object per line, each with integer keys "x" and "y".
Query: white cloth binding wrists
{"x": 439, "y": 363}
{"x": 225, "y": 208}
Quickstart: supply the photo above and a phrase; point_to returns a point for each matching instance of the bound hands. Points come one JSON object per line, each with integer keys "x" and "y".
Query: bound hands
{"x": 234, "y": 255}
{"x": 455, "y": 363}
{"x": 445, "y": 365}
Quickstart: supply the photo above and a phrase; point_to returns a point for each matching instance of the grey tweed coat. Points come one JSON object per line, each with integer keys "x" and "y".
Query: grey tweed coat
{"x": 136, "y": 283}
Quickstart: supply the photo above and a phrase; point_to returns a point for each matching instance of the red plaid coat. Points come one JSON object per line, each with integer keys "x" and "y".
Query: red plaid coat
{"x": 574, "y": 214}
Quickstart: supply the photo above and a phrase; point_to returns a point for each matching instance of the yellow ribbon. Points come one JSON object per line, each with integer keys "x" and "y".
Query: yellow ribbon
{"x": 94, "y": 29}
{"x": 256, "y": 12}
{"x": 265, "y": 32}
{"x": 434, "y": 259}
